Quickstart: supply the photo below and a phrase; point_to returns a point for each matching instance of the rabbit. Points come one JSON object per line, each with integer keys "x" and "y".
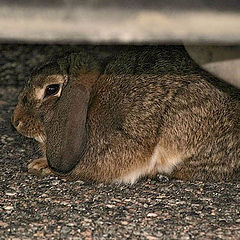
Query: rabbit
{"x": 96, "y": 123}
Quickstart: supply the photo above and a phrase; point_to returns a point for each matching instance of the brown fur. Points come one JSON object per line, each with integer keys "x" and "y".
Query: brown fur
{"x": 188, "y": 119}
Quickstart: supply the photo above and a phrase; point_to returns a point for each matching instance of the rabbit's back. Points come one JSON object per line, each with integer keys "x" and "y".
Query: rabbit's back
{"x": 181, "y": 121}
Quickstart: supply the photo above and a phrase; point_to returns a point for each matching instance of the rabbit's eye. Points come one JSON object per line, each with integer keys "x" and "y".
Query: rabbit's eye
{"x": 52, "y": 89}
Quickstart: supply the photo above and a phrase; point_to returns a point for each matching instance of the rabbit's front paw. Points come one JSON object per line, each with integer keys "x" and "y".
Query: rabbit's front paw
{"x": 39, "y": 167}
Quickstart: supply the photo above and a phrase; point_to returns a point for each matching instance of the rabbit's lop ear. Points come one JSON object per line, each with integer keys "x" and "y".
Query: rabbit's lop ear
{"x": 66, "y": 130}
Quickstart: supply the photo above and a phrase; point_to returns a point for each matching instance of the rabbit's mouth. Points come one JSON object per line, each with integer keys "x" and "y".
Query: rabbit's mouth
{"x": 41, "y": 138}
{"x": 30, "y": 132}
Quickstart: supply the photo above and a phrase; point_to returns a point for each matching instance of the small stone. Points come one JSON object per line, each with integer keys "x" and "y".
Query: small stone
{"x": 65, "y": 203}
{"x": 87, "y": 234}
{"x": 8, "y": 208}
{"x": 185, "y": 237}
{"x": 65, "y": 230}
{"x": 55, "y": 182}
{"x": 3, "y": 224}
{"x": 110, "y": 206}
{"x": 151, "y": 238}
{"x": 38, "y": 234}
{"x": 163, "y": 178}
{"x": 71, "y": 224}
{"x": 87, "y": 220}
{"x": 10, "y": 193}
{"x": 151, "y": 215}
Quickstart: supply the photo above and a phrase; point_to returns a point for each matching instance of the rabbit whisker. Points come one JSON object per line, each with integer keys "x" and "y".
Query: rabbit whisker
{"x": 40, "y": 138}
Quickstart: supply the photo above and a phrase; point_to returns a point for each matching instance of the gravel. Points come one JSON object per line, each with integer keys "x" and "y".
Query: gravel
{"x": 51, "y": 208}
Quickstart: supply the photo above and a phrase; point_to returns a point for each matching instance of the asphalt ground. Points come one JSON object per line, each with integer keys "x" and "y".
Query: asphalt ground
{"x": 51, "y": 208}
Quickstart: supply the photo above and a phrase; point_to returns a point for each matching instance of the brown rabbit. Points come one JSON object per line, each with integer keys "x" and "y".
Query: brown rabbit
{"x": 100, "y": 124}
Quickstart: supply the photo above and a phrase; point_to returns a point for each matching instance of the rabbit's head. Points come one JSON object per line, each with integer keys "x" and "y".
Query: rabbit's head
{"x": 45, "y": 87}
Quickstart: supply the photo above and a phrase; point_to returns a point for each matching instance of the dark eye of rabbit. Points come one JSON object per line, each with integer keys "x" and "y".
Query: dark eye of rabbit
{"x": 51, "y": 90}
